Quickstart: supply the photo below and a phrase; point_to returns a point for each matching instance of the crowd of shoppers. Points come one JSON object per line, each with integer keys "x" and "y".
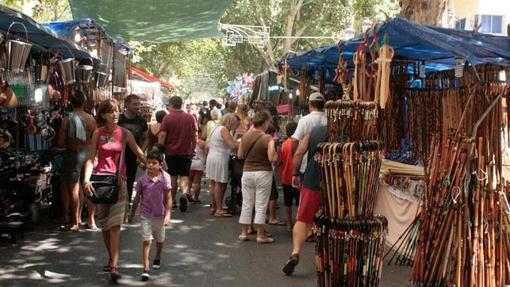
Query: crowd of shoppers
{"x": 181, "y": 148}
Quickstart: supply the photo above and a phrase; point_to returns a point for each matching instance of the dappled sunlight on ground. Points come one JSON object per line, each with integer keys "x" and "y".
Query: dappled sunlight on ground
{"x": 200, "y": 250}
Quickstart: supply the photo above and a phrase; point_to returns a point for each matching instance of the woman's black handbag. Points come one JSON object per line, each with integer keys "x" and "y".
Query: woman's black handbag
{"x": 107, "y": 186}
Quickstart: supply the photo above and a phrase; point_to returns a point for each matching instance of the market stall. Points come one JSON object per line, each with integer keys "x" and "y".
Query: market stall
{"x": 438, "y": 97}
{"x": 38, "y": 71}
{"x": 151, "y": 90}
{"x": 113, "y": 70}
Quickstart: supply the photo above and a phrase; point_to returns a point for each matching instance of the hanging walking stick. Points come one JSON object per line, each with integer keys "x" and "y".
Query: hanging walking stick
{"x": 386, "y": 54}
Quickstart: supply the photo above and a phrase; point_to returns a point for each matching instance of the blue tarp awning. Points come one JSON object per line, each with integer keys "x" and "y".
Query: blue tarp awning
{"x": 65, "y": 29}
{"x": 437, "y": 47}
{"x": 41, "y": 37}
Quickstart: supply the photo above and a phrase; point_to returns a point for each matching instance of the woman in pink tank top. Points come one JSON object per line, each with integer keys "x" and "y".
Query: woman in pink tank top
{"x": 107, "y": 144}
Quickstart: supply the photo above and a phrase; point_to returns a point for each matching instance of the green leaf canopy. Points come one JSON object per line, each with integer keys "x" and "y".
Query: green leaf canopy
{"x": 157, "y": 21}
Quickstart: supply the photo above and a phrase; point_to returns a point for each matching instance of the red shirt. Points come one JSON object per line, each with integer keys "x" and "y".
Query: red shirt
{"x": 180, "y": 128}
{"x": 286, "y": 160}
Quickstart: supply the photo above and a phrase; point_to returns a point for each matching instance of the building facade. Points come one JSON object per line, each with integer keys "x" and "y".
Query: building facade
{"x": 492, "y": 15}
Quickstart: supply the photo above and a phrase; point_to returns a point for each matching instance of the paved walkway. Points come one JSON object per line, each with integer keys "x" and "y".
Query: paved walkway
{"x": 201, "y": 250}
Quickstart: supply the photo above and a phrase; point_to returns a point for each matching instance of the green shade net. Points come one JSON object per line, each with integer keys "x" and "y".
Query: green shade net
{"x": 154, "y": 20}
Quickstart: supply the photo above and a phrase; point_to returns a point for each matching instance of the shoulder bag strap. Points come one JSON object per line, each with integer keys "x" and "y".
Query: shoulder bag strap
{"x": 99, "y": 130}
{"x": 121, "y": 159}
{"x": 212, "y": 131}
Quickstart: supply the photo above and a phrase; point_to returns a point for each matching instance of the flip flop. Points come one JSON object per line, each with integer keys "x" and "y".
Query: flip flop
{"x": 222, "y": 214}
{"x": 277, "y": 222}
{"x": 77, "y": 229}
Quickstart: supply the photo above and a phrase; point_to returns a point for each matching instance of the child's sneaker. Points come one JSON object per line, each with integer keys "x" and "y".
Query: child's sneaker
{"x": 156, "y": 264}
{"x": 183, "y": 204}
{"x": 145, "y": 275}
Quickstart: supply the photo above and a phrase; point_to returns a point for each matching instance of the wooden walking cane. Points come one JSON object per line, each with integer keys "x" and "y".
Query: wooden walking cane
{"x": 334, "y": 179}
{"x": 324, "y": 182}
{"x": 328, "y": 179}
{"x": 339, "y": 206}
{"x": 386, "y": 54}
{"x": 348, "y": 173}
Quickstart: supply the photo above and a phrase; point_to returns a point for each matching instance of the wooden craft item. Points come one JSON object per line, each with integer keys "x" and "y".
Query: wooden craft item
{"x": 386, "y": 54}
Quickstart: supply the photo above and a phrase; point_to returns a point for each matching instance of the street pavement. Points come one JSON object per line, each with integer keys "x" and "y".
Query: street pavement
{"x": 201, "y": 250}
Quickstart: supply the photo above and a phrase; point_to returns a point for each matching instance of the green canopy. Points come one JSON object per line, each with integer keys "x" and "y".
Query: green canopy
{"x": 154, "y": 20}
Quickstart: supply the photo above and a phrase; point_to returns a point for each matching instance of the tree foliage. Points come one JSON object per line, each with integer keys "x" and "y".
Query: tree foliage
{"x": 42, "y": 11}
{"x": 208, "y": 59}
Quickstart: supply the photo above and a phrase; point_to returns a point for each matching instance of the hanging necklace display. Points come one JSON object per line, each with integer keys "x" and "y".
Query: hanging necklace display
{"x": 349, "y": 120}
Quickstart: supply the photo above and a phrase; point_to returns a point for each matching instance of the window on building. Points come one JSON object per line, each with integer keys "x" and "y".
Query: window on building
{"x": 491, "y": 23}
{"x": 460, "y": 24}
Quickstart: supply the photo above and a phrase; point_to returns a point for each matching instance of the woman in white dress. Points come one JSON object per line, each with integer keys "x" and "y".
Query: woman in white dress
{"x": 221, "y": 144}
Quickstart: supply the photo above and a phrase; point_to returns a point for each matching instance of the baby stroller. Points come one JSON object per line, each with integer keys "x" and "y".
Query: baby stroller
{"x": 235, "y": 199}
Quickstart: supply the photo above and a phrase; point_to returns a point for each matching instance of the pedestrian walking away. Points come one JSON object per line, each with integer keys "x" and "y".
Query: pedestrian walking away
{"x": 290, "y": 193}
{"x": 310, "y": 194}
{"x": 178, "y": 139}
{"x": 305, "y": 125}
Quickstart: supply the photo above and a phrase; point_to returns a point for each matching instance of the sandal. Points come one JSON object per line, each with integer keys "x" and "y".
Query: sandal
{"x": 115, "y": 275}
{"x": 277, "y": 222}
{"x": 74, "y": 229}
{"x": 222, "y": 214}
{"x": 108, "y": 268}
{"x": 243, "y": 237}
{"x": 265, "y": 240}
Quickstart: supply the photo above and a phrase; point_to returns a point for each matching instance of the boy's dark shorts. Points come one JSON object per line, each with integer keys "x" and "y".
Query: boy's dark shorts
{"x": 274, "y": 191}
{"x": 290, "y": 194}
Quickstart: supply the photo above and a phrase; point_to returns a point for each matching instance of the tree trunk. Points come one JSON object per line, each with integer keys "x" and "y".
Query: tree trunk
{"x": 295, "y": 8}
{"x": 427, "y": 12}
{"x": 55, "y": 10}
